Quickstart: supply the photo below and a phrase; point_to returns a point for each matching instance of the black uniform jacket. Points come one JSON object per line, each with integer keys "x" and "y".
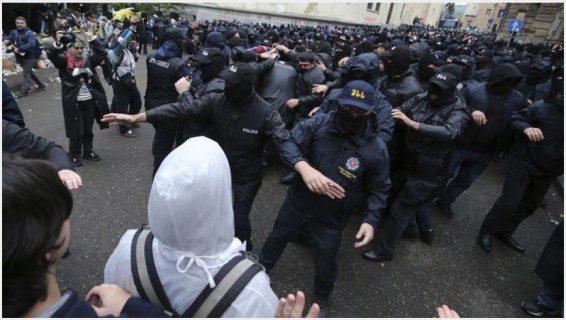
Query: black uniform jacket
{"x": 240, "y": 131}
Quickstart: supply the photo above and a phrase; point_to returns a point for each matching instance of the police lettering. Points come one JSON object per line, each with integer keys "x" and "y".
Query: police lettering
{"x": 160, "y": 63}
{"x": 252, "y": 131}
{"x": 441, "y": 76}
{"x": 233, "y": 69}
{"x": 358, "y": 94}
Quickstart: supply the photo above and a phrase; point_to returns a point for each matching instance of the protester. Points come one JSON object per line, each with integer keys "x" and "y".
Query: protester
{"x": 23, "y": 41}
{"x": 83, "y": 96}
{"x": 189, "y": 249}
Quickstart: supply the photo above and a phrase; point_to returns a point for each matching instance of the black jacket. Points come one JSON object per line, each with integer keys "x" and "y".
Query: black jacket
{"x": 240, "y": 131}
{"x": 399, "y": 89}
{"x": 359, "y": 164}
{"x": 193, "y": 128}
{"x": 307, "y": 99}
{"x": 70, "y": 86}
{"x": 25, "y": 143}
{"x": 544, "y": 157}
{"x": 277, "y": 86}
{"x": 10, "y": 109}
{"x": 305, "y": 82}
{"x": 429, "y": 148}
{"x": 476, "y": 96}
{"x": 163, "y": 70}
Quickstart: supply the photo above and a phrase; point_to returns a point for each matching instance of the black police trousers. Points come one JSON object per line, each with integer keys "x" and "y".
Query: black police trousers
{"x": 522, "y": 193}
{"x": 325, "y": 243}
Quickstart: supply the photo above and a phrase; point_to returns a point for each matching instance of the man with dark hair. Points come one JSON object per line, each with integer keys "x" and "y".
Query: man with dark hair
{"x": 36, "y": 207}
{"x": 305, "y": 100}
{"x": 344, "y": 169}
{"x": 240, "y": 122}
{"x": 23, "y": 41}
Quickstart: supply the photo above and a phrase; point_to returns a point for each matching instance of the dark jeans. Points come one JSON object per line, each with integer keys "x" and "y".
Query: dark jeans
{"x": 125, "y": 100}
{"x": 244, "y": 195}
{"x": 522, "y": 193}
{"x": 552, "y": 295}
{"x": 27, "y": 66}
{"x": 163, "y": 141}
{"x": 471, "y": 165}
{"x": 142, "y": 44}
{"x": 84, "y": 135}
{"x": 414, "y": 195}
{"x": 325, "y": 244}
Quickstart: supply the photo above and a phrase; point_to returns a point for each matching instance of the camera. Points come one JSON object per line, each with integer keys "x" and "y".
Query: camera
{"x": 67, "y": 38}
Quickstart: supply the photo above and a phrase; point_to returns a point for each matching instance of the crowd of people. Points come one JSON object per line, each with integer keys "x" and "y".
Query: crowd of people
{"x": 381, "y": 123}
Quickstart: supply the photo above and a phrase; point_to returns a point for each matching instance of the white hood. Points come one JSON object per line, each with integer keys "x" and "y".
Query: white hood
{"x": 190, "y": 204}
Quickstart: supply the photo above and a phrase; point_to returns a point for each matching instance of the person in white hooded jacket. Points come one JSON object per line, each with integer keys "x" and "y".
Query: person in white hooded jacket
{"x": 190, "y": 214}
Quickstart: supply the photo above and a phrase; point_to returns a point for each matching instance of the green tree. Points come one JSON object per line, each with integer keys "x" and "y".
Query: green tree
{"x": 450, "y": 8}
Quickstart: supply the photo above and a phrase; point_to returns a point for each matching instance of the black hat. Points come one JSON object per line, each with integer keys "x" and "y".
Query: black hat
{"x": 211, "y": 55}
{"x": 249, "y": 56}
{"x": 444, "y": 80}
{"x": 239, "y": 72}
{"x": 176, "y": 35}
{"x": 452, "y": 69}
{"x": 401, "y": 52}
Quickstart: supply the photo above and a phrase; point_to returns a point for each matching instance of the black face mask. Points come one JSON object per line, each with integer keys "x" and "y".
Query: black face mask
{"x": 425, "y": 73}
{"x": 349, "y": 125}
{"x": 442, "y": 96}
{"x": 394, "y": 68}
{"x": 237, "y": 94}
{"x": 210, "y": 71}
{"x": 503, "y": 87}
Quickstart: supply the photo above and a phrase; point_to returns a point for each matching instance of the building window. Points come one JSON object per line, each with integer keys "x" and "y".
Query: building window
{"x": 370, "y": 7}
{"x": 488, "y": 12}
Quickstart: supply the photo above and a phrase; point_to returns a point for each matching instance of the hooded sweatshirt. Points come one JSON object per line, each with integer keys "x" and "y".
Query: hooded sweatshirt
{"x": 216, "y": 40}
{"x": 190, "y": 214}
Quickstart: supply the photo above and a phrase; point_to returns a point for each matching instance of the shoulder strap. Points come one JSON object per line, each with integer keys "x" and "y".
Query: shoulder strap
{"x": 230, "y": 280}
{"x": 144, "y": 272}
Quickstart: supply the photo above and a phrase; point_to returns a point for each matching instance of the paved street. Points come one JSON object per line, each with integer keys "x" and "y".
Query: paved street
{"x": 453, "y": 271}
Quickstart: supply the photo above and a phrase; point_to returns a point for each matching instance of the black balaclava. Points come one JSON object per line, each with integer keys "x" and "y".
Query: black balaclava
{"x": 423, "y": 71}
{"x": 210, "y": 71}
{"x": 438, "y": 97}
{"x": 397, "y": 61}
{"x": 349, "y": 125}
{"x": 239, "y": 81}
{"x": 503, "y": 78}
{"x": 482, "y": 62}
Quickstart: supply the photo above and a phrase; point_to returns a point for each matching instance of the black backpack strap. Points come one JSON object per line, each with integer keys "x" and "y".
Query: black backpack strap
{"x": 230, "y": 280}
{"x": 144, "y": 272}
